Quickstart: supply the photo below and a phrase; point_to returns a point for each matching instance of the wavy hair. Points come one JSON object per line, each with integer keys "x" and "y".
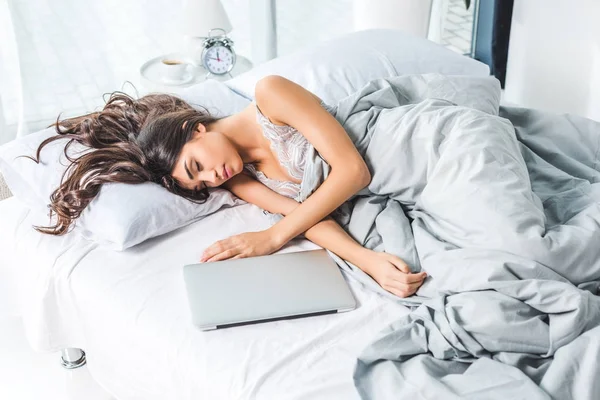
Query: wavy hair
{"x": 115, "y": 155}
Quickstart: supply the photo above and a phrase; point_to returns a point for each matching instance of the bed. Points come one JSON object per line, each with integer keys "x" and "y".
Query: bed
{"x": 129, "y": 312}
{"x": 128, "y": 309}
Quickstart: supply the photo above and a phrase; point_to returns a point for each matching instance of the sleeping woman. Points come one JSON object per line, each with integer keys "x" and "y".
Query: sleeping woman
{"x": 258, "y": 154}
{"x": 440, "y": 184}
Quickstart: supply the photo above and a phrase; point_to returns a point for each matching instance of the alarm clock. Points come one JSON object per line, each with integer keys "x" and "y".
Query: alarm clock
{"x": 218, "y": 56}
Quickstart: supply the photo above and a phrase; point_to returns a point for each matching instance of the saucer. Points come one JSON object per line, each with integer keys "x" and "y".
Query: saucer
{"x": 187, "y": 77}
{"x": 152, "y": 70}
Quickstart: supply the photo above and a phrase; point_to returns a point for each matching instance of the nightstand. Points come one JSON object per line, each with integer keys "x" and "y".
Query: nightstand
{"x": 151, "y": 73}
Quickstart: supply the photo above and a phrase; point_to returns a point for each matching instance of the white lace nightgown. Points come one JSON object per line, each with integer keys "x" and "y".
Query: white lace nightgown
{"x": 290, "y": 146}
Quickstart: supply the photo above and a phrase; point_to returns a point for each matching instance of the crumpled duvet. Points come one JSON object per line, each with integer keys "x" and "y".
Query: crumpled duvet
{"x": 501, "y": 207}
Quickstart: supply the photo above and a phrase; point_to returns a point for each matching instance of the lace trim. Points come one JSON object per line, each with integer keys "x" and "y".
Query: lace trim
{"x": 290, "y": 147}
{"x": 286, "y": 188}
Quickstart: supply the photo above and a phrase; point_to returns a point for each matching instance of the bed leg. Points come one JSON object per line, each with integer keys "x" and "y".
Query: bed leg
{"x": 72, "y": 358}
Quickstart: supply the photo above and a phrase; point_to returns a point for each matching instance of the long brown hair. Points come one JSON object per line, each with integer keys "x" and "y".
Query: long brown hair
{"x": 116, "y": 155}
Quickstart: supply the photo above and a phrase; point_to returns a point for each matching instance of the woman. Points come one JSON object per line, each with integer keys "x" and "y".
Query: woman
{"x": 188, "y": 152}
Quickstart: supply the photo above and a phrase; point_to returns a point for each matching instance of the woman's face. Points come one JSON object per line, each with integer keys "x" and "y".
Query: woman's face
{"x": 210, "y": 158}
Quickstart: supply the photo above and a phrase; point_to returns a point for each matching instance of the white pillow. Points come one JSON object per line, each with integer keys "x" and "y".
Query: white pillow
{"x": 338, "y": 67}
{"x": 122, "y": 215}
{"x": 215, "y": 96}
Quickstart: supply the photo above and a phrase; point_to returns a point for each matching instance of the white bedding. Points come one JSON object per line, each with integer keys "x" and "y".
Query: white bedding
{"x": 128, "y": 311}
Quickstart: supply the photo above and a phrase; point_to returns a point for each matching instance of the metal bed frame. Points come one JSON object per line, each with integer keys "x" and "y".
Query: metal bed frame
{"x": 72, "y": 358}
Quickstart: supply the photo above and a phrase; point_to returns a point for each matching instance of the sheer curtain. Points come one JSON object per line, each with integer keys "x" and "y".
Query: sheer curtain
{"x": 61, "y": 56}
{"x": 11, "y": 101}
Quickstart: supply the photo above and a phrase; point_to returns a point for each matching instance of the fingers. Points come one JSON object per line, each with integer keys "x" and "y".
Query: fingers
{"x": 224, "y": 255}
{"x": 402, "y": 289}
{"x": 400, "y": 293}
{"x": 219, "y": 247}
{"x": 223, "y": 250}
{"x": 212, "y": 250}
{"x": 403, "y": 285}
{"x": 410, "y": 278}
{"x": 406, "y": 275}
{"x": 398, "y": 263}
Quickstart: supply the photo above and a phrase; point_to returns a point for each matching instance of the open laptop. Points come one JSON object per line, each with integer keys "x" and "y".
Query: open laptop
{"x": 251, "y": 290}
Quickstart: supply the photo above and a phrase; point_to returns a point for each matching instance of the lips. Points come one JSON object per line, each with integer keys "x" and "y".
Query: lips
{"x": 225, "y": 173}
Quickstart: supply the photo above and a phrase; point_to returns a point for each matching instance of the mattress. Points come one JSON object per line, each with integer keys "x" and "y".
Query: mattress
{"x": 128, "y": 310}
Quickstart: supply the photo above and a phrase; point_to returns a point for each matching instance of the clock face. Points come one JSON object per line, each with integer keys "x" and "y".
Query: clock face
{"x": 218, "y": 60}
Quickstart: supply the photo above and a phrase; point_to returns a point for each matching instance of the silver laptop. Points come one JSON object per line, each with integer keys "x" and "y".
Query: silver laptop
{"x": 250, "y": 290}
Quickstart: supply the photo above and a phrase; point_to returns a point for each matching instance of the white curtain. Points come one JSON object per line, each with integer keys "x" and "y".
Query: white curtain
{"x": 61, "y": 56}
{"x": 11, "y": 101}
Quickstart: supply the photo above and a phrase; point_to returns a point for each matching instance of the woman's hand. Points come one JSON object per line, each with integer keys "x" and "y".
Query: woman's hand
{"x": 391, "y": 273}
{"x": 249, "y": 244}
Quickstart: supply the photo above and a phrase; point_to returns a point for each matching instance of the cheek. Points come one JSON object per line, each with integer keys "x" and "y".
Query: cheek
{"x": 229, "y": 151}
{"x": 221, "y": 149}
{"x": 210, "y": 154}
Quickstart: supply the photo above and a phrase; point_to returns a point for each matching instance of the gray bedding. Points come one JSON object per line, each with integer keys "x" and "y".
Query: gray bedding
{"x": 501, "y": 207}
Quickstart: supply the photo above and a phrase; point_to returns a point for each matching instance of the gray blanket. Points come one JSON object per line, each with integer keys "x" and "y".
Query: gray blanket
{"x": 501, "y": 207}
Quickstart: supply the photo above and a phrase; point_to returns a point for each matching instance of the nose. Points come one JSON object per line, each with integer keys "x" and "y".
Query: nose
{"x": 214, "y": 176}
{"x": 210, "y": 177}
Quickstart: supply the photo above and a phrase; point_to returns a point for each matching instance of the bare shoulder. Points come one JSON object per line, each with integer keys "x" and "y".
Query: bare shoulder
{"x": 274, "y": 83}
{"x": 270, "y": 89}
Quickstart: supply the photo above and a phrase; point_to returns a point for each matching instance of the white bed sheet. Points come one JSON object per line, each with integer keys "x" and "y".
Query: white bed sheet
{"x": 11, "y": 214}
{"x": 128, "y": 311}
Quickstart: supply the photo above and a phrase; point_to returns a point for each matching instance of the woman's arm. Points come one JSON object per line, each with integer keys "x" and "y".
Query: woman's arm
{"x": 283, "y": 100}
{"x": 388, "y": 270}
{"x": 327, "y": 233}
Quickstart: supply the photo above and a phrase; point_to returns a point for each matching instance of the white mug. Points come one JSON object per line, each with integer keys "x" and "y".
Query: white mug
{"x": 174, "y": 69}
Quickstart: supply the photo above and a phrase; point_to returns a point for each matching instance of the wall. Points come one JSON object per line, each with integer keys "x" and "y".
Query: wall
{"x": 554, "y": 56}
